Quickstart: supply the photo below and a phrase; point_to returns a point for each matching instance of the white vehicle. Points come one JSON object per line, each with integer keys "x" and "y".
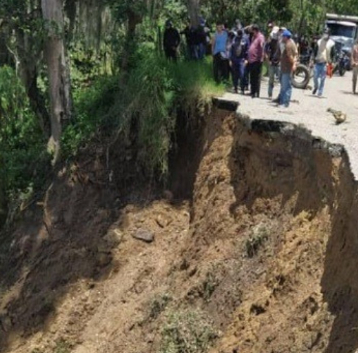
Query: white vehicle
{"x": 344, "y": 29}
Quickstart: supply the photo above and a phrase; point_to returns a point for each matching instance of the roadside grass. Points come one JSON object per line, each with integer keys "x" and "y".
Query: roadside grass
{"x": 153, "y": 95}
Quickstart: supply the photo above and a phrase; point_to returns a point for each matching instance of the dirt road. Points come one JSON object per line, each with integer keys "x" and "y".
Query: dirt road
{"x": 311, "y": 112}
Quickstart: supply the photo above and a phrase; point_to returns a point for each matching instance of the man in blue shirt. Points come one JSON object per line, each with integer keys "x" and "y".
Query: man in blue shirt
{"x": 220, "y": 55}
{"x": 238, "y": 56}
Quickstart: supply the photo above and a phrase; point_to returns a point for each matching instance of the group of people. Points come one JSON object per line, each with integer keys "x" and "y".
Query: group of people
{"x": 241, "y": 52}
{"x": 197, "y": 40}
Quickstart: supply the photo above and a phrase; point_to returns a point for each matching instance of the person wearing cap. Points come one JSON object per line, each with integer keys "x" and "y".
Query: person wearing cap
{"x": 238, "y": 57}
{"x": 272, "y": 57}
{"x": 255, "y": 59}
{"x": 220, "y": 55}
{"x": 171, "y": 41}
{"x": 288, "y": 66}
{"x": 323, "y": 54}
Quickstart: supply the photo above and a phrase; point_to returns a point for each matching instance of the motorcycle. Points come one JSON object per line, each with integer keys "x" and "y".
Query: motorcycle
{"x": 343, "y": 61}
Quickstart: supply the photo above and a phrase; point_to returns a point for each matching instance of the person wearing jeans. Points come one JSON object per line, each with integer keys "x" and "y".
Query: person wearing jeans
{"x": 220, "y": 57}
{"x": 288, "y": 66}
{"x": 323, "y": 54}
{"x": 238, "y": 56}
{"x": 272, "y": 56}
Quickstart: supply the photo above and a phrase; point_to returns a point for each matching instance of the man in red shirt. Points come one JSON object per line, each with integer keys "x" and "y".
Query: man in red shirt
{"x": 256, "y": 58}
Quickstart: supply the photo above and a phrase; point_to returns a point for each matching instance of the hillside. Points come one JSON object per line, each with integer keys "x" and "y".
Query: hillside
{"x": 251, "y": 248}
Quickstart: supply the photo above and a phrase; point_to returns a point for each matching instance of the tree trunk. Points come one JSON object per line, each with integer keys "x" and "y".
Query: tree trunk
{"x": 133, "y": 20}
{"x": 58, "y": 73}
{"x": 27, "y": 70}
{"x": 194, "y": 12}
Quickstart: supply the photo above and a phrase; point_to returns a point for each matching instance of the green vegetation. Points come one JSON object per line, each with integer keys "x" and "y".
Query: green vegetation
{"x": 158, "y": 305}
{"x": 111, "y": 77}
{"x": 23, "y": 157}
{"x": 61, "y": 346}
{"x": 187, "y": 332}
{"x": 259, "y": 235}
{"x": 157, "y": 90}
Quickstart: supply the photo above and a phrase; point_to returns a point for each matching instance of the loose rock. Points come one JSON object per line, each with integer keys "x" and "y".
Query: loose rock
{"x": 144, "y": 235}
{"x": 163, "y": 221}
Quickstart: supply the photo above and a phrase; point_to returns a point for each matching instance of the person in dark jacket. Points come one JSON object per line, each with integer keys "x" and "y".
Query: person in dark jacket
{"x": 192, "y": 41}
{"x": 171, "y": 41}
{"x": 203, "y": 35}
{"x": 272, "y": 54}
{"x": 238, "y": 57}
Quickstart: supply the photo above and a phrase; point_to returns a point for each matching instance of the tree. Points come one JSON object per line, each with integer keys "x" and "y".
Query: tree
{"x": 194, "y": 11}
{"x": 58, "y": 72}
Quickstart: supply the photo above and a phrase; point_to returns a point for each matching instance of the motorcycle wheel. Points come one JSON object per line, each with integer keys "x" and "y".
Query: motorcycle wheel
{"x": 301, "y": 77}
{"x": 342, "y": 71}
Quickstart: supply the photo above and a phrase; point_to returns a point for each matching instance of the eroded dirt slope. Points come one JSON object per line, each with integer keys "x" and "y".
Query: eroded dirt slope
{"x": 258, "y": 234}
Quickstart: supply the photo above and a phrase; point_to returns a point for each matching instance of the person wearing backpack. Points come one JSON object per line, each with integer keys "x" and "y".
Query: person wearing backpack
{"x": 238, "y": 57}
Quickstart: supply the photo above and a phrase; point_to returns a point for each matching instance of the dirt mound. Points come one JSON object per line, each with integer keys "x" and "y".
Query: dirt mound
{"x": 253, "y": 250}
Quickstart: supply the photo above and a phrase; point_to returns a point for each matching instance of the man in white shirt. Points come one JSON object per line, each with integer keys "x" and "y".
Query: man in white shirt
{"x": 323, "y": 54}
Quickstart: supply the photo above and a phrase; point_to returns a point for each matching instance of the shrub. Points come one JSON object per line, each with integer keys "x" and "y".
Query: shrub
{"x": 258, "y": 236}
{"x": 23, "y": 156}
{"x": 158, "y": 305}
{"x": 154, "y": 92}
{"x": 187, "y": 332}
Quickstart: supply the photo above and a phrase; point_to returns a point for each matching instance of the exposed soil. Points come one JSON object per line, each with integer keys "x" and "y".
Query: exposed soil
{"x": 258, "y": 231}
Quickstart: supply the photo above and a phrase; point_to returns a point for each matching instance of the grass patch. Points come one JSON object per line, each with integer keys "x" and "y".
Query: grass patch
{"x": 187, "y": 332}
{"x": 148, "y": 102}
{"x": 259, "y": 235}
{"x": 158, "y": 305}
{"x": 62, "y": 346}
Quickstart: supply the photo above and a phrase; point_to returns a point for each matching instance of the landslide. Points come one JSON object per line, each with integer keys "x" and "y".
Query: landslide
{"x": 255, "y": 249}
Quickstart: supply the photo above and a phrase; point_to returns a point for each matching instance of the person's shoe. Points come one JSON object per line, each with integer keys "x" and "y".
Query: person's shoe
{"x": 314, "y": 91}
{"x": 276, "y": 100}
{"x": 236, "y": 91}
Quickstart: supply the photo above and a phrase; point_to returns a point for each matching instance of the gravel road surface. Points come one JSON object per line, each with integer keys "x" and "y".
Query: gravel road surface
{"x": 311, "y": 111}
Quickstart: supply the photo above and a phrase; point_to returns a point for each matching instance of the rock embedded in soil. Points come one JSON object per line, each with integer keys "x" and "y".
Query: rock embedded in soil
{"x": 144, "y": 235}
{"x": 163, "y": 221}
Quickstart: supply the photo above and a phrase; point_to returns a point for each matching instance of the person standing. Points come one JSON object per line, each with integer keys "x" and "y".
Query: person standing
{"x": 202, "y": 34}
{"x": 248, "y": 37}
{"x": 219, "y": 51}
{"x": 272, "y": 56}
{"x": 171, "y": 41}
{"x": 288, "y": 66}
{"x": 354, "y": 63}
{"x": 255, "y": 59}
{"x": 323, "y": 54}
{"x": 238, "y": 56}
{"x": 191, "y": 39}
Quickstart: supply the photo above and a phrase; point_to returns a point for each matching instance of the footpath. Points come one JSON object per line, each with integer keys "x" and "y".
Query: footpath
{"x": 311, "y": 112}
